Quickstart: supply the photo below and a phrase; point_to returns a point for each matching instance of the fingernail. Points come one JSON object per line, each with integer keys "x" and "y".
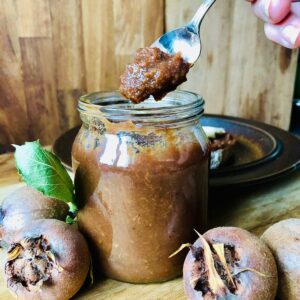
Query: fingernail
{"x": 290, "y": 34}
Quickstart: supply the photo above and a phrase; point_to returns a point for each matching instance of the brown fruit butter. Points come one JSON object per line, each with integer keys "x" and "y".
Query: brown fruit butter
{"x": 142, "y": 183}
{"x": 153, "y": 72}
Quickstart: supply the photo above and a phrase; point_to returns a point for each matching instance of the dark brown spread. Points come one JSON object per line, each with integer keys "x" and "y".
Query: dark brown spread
{"x": 153, "y": 72}
{"x": 142, "y": 193}
{"x": 221, "y": 141}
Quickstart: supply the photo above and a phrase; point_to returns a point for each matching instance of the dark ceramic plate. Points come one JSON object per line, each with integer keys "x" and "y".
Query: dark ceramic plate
{"x": 263, "y": 152}
{"x": 253, "y": 146}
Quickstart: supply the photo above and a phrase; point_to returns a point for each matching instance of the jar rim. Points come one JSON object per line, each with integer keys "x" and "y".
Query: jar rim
{"x": 175, "y": 107}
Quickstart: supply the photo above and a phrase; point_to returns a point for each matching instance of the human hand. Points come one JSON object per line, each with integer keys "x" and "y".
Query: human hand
{"x": 282, "y": 20}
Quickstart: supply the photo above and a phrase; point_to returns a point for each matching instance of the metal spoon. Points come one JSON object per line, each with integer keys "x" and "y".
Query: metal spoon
{"x": 186, "y": 39}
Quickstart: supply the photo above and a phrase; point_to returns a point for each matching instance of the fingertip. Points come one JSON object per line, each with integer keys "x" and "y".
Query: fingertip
{"x": 272, "y": 11}
{"x": 278, "y": 10}
{"x": 287, "y": 35}
{"x": 273, "y": 33}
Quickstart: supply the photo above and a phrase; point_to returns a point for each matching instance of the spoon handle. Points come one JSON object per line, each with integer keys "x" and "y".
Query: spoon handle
{"x": 195, "y": 23}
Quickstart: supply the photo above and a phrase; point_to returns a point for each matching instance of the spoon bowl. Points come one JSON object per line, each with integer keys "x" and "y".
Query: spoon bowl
{"x": 182, "y": 40}
{"x": 186, "y": 39}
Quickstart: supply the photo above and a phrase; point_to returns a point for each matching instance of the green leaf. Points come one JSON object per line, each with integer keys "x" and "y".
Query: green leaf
{"x": 70, "y": 220}
{"x": 43, "y": 171}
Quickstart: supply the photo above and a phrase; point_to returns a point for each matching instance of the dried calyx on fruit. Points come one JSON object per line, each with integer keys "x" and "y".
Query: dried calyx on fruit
{"x": 30, "y": 263}
{"x": 220, "y": 266}
{"x": 216, "y": 268}
{"x": 47, "y": 259}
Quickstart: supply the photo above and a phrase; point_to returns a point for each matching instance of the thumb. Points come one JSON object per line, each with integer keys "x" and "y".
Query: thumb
{"x": 271, "y": 11}
{"x": 286, "y": 33}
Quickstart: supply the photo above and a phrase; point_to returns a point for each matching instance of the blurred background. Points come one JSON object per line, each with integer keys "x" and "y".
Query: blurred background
{"x": 53, "y": 51}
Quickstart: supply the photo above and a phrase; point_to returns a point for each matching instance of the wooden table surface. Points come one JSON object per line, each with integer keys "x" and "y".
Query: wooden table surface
{"x": 254, "y": 208}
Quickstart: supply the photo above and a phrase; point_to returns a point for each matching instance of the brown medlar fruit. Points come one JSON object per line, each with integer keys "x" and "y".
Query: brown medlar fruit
{"x": 47, "y": 259}
{"x": 283, "y": 238}
{"x": 27, "y": 204}
{"x": 229, "y": 263}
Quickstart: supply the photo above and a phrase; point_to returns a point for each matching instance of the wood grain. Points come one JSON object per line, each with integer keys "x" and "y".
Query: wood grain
{"x": 13, "y": 109}
{"x": 254, "y": 209}
{"x": 97, "y": 17}
{"x": 112, "y": 32}
{"x": 40, "y": 91}
{"x": 55, "y": 51}
{"x": 240, "y": 72}
{"x": 69, "y": 64}
{"x": 33, "y": 18}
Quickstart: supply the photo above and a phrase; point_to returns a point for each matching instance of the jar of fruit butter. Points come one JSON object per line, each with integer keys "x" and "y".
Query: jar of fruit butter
{"x": 141, "y": 180}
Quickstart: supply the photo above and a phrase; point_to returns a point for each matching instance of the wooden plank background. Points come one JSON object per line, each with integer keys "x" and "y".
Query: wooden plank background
{"x": 51, "y": 52}
{"x": 240, "y": 72}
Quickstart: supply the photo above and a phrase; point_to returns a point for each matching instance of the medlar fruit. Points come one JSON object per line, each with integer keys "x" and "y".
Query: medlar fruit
{"x": 27, "y": 204}
{"x": 283, "y": 238}
{"x": 47, "y": 259}
{"x": 229, "y": 263}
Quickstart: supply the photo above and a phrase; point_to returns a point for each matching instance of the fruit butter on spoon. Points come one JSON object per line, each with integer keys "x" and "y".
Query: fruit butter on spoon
{"x": 159, "y": 69}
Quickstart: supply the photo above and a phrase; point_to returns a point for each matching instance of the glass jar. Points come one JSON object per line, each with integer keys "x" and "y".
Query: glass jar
{"x": 142, "y": 180}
